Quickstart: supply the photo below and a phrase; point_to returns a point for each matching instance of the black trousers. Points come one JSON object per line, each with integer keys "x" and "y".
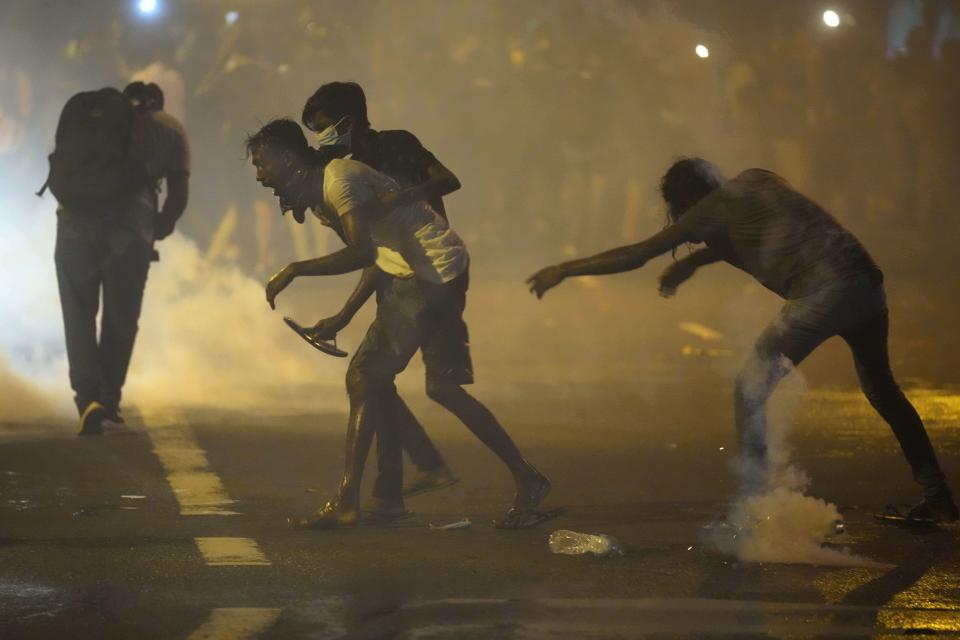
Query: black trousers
{"x": 854, "y": 309}
{"x": 86, "y": 268}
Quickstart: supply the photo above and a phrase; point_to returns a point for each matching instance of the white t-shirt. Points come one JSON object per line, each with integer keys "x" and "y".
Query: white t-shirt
{"x": 412, "y": 238}
{"x": 391, "y": 262}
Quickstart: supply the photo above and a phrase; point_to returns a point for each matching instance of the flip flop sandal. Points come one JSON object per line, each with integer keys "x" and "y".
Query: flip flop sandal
{"x": 312, "y": 523}
{"x": 527, "y": 518}
{"x": 329, "y": 348}
{"x": 899, "y": 515}
{"x": 416, "y": 490}
{"x": 324, "y": 519}
{"x": 383, "y": 519}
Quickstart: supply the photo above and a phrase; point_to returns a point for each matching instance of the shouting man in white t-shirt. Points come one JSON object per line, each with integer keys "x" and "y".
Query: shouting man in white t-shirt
{"x": 422, "y": 310}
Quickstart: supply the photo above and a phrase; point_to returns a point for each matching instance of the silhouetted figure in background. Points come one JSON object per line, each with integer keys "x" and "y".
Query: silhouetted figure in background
{"x": 758, "y": 223}
{"x": 111, "y": 153}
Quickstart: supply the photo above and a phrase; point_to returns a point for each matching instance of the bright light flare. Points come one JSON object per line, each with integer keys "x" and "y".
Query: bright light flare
{"x": 831, "y": 18}
{"x": 147, "y": 7}
{"x": 232, "y": 17}
{"x": 702, "y": 51}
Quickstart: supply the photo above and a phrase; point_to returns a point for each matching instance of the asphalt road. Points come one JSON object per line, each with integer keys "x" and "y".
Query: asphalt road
{"x": 198, "y": 548}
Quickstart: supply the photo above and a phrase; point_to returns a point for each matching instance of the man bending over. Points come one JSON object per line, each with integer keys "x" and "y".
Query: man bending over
{"x": 758, "y": 223}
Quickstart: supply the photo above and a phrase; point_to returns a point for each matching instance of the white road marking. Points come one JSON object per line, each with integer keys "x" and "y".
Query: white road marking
{"x": 235, "y": 624}
{"x": 702, "y": 331}
{"x": 199, "y": 491}
{"x": 231, "y": 552}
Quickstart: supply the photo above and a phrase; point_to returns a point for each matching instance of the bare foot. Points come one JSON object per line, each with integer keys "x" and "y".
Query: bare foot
{"x": 329, "y": 516}
{"x": 531, "y": 491}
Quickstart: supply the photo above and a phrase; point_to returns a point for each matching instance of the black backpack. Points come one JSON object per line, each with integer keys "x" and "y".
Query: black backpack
{"x": 93, "y": 168}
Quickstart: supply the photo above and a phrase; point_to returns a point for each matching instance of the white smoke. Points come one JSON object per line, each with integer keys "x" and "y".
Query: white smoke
{"x": 21, "y": 399}
{"x": 33, "y": 369}
{"x": 773, "y": 519}
{"x": 207, "y": 337}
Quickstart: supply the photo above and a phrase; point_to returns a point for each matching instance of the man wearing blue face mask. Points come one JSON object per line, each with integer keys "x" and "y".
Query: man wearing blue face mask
{"x": 337, "y": 113}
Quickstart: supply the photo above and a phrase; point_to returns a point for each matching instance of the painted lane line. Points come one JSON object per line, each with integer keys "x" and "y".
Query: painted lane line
{"x": 236, "y": 624}
{"x": 231, "y": 552}
{"x": 199, "y": 490}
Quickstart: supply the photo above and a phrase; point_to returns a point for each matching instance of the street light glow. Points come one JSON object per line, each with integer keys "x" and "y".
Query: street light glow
{"x": 702, "y": 51}
{"x": 831, "y": 18}
{"x": 147, "y": 7}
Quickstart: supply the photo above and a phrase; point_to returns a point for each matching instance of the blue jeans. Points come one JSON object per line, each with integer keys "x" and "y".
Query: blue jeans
{"x": 855, "y": 309}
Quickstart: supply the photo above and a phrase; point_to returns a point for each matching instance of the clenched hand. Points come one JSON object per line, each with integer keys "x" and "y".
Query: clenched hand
{"x": 327, "y": 328}
{"x": 673, "y": 276}
{"x": 545, "y": 279}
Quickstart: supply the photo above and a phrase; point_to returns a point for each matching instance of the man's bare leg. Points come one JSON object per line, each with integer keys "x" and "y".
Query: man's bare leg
{"x": 532, "y": 486}
{"x": 366, "y": 407}
{"x": 432, "y": 472}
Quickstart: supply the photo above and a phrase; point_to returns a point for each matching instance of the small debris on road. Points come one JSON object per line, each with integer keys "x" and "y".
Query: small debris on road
{"x": 459, "y": 524}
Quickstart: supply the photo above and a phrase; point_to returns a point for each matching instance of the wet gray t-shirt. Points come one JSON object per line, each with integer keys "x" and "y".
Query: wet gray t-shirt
{"x": 758, "y": 223}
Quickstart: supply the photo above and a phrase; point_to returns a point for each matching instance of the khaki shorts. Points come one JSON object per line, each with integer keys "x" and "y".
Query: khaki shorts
{"x": 411, "y": 315}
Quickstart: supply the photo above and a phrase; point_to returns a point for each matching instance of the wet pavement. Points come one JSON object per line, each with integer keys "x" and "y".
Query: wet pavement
{"x": 178, "y": 531}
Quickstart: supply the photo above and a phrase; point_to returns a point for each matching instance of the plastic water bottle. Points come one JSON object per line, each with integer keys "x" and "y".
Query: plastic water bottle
{"x": 571, "y": 543}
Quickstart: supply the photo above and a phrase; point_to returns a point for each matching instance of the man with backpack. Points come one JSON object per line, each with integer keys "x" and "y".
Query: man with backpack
{"x": 112, "y": 150}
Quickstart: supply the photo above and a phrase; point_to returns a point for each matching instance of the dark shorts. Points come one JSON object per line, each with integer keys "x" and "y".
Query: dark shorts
{"x": 805, "y": 323}
{"x": 412, "y": 315}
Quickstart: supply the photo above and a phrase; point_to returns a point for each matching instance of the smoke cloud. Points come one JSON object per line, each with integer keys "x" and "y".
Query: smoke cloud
{"x": 21, "y": 399}
{"x": 33, "y": 369}
{"x": 773, "y": 519}
{"x": 207, "y": 338}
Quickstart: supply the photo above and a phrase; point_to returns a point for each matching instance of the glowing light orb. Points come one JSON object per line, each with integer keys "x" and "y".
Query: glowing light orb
{"x": 831, "y": 18}
{"x": 147, "y": 7}
{"x": 232, "y": 17}
{"x": 702, "y": 51}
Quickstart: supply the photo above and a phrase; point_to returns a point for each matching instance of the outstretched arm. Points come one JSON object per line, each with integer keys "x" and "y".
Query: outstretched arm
{"x": 681, "y": 270}
{"x": 359, "y": 253}
{"x": 328, "y": 328}
{"x": 617, "y": 260}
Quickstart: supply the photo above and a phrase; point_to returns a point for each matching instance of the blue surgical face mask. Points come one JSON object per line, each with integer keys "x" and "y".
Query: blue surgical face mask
{"x": 330, "y": 137}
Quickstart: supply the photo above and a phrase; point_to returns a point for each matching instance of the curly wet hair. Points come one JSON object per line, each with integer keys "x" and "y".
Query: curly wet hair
{"x": 686, "y": 182}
